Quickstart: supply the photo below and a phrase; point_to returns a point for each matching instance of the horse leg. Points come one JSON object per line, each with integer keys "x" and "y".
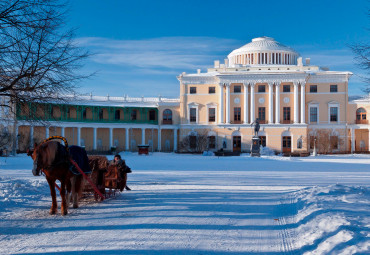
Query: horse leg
{"x": 54, "y": 205}
{"x": 76, "y": 188}
{"x": 63, "y": 195}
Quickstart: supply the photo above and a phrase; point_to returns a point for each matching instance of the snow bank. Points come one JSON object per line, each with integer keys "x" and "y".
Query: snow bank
{"x": 14, "y": 192}
{"x": 332, "y": 219}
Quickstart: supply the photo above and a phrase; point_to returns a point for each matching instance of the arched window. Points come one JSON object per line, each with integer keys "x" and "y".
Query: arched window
{"x": 361, "y": 116}
{"x": 167, "y": 116}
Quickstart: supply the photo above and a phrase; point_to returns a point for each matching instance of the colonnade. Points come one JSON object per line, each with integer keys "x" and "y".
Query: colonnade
{"x": 111, "y": 142}
{"x": 249, "y": 108}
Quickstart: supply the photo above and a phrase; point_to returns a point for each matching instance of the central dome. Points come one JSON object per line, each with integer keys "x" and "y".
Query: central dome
{"x": 263, "y": 51}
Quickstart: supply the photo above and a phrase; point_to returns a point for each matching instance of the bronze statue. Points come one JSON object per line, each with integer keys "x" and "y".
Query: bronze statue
{"x": 256, "y": 124}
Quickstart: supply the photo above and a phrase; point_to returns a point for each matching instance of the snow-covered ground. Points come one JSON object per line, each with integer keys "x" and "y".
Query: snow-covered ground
{"x": 190, "y": 204}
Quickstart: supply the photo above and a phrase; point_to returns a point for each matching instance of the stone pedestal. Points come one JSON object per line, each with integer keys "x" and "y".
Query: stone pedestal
{"x": 255, "y": 149}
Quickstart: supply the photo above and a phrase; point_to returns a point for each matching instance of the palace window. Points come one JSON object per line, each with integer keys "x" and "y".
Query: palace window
{"x": 361, "y": 116}
{"x": 193, "y": 90}
{"x": 263, "y": 141}
{"x": 333, "y": 88}
{"x": 237, "y": 114}
{"x": 134, "y": 115}
{"x": 211, "y": 142}
{"x": 151, "y": 115}
{"x": 261, "y": 114}
{"x": 261, "y": 88}
{"x": 193, "y": 115}
{"x": 313, "y": 114}
{"x": 237, "y": 89}
{"x": 333, "y": 114}
{"x": 286, "y": 115}
{"x": 211, "y": 114}
{"x": 167, "y": 115}
{"x": 211, "y": 90}
{"x": 117, "y": 115}
{"x": 313, "y": 88}
{"x": 286, "y": 88}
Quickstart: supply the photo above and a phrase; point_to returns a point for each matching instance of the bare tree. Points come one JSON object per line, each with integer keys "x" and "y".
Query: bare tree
{"x": 39, "y": 59}
{"x": 362, "y": 58}
{"x": 196, "y": 143}
{"x": 326, "y": 142}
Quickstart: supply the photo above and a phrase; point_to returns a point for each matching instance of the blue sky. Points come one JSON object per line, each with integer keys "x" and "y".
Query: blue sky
{"x": 141, "y": 46}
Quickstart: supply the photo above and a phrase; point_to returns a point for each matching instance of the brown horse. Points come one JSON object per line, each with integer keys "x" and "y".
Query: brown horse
{"x": 53, "y": 159}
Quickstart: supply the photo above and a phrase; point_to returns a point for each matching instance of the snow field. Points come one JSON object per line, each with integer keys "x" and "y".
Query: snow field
{"x": 190, "y": 204}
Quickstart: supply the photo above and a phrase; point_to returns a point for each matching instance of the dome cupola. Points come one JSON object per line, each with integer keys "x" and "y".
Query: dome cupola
{"x": 263, "y": 51}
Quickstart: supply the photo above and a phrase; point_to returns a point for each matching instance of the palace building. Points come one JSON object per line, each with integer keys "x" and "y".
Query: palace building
{"x": 298, "y": 105}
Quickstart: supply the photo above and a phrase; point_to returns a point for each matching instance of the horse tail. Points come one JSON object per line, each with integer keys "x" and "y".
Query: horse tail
{"x": 58, "y": 137}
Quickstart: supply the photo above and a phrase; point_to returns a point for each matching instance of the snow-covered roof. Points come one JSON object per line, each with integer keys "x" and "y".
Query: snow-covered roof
{"x": 263, "y": 43}
{"x": 124, "y": 101}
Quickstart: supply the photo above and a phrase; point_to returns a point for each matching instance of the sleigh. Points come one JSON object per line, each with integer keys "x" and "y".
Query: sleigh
{"x": 105, "y": 179}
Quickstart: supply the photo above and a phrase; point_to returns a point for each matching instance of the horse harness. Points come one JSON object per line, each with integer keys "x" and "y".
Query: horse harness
{"x": 60, "y": 160}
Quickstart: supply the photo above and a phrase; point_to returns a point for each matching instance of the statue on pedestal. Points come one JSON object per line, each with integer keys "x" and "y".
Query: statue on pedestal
{"x": 255, "y": 148}
{"x": 256, "y": 124}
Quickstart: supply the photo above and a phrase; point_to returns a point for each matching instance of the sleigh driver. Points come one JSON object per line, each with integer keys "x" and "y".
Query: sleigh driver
{"x": 123, "y": 170}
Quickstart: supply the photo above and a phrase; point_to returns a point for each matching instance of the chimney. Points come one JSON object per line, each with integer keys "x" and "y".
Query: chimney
{"x": 217, "y": 63}
{"x": 198, "y": 71}
{"x": 308, "y": 61}
{"x": 299, "y": 61}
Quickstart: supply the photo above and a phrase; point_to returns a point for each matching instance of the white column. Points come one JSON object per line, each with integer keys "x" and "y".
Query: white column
{"x": 277, "y": 103}
{"x": 175, "y": 140}
{"x": 221, "y": 108}
{"x": 227, "y": 103}
{"x": 296, "y": 103}
{"x": 352, "y": 140}
{"x": 94, "y": 141}
{"x": 31, "y": 136}
{"x": 127, "y": 140}
{"x": 252, "y": 103}
{"x": 303, "y": 103}
{"x": 271, "y": 103}
{"x": 159, "y": 139}
{"x": 47, "y": 133}
{"x": 245, "y": 117}
{"x": 62, "y": 133}
{"x": 143, "y": 136}
{"x": 78, "y": 136}
{"x": 110, "y": 138}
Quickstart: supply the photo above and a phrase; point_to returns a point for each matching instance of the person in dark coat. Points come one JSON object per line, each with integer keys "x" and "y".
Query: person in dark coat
{"x": 122, "y": 168}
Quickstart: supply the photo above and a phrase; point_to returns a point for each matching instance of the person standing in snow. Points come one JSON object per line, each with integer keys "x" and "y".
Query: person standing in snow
{"x": 123, "y": 170}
